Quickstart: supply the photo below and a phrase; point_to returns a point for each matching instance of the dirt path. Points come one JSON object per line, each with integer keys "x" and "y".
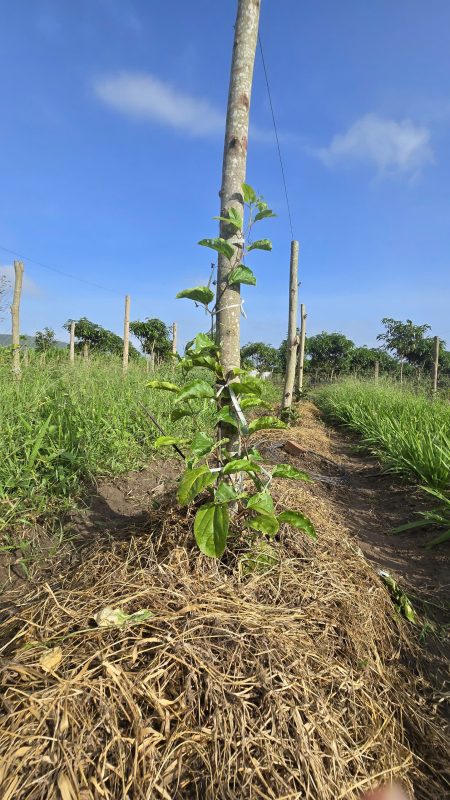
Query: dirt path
{"x": 369, "y": 504}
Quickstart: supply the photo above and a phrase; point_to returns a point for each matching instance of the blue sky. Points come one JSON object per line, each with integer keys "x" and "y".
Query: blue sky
{"x": 111, "y": 145}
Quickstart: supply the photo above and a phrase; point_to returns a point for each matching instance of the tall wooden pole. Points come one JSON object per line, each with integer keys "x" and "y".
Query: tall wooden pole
{"x": 376, "y": 371}
{"x": 85, "y": 352}
{"x": 301, "y": 352}
{"x": 174, "y": 338}
{"x": 15, "y": 318}
{"x": 292, "y": 329}
{"x": 233, "y": 176}
{"x": 436, "y": 343}
{"x": 72, "y": 343}
{"x": 126, "y": 334}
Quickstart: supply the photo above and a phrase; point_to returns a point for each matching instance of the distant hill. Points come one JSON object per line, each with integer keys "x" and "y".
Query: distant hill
{"x": 5, "y": 341}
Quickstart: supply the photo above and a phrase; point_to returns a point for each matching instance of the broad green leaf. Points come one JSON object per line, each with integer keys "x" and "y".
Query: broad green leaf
{"x": 226, "y": 415}
{"x": 262, "y": 503}
{"x": 210, "y": 362}
{"x": 211, "y": 529}
{"x": 248, "y": 193}
{"x": 260, "y": 244}
{"x": 266, "y": 523}
{"x": 240, "y": 465}
{"x": 251, "y": 401}
{"x": 201, "y": 294}
{"x": 201, "y": 444}
{"x": 226, "y": 493}
{"x": 204, "y": 342}
{"x": 298, "y": 520}
{"x": 193, "y": 482}
{"x": 261, "y": 423}
{"x": 266, "y": 212}
{"x": 242, "y": 274}
{"x": 169, "y": 387}
{"x": 248, "y": 385}
{"x": 166, "y": 441}
{"x": 261, "y": 204}
{"x": 234, "y": 218}
{"x": 195, "y": 389}
{"x": 286, "y": 471}
{"x": 220, "y": 245}
{"x": 180, "y": 412}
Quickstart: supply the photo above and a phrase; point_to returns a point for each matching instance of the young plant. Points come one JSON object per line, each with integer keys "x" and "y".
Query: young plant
{"x": 233, "y": 487}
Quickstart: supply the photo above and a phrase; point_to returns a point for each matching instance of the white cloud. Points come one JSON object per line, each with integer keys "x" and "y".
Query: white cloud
{"x": 144, "y": 96}
{"x": 391, "y": 146}
{"x": 28, "y": 285}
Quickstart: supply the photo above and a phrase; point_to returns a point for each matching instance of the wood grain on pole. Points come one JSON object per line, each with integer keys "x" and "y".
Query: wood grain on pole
{"x": 15, "y": 318}
{"x": 72, "y": 343}
{"x": 301, "y": 354}
{"x": 174, "y": 338}
{"x": 126, "y": 334}
{"x": 436, "y": 343}
{"x": 292, "y": 329}
{"x": 376, "y": 371}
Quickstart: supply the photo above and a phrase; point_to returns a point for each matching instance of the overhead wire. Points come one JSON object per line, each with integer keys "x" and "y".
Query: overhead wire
{"x": 277, "y": 138}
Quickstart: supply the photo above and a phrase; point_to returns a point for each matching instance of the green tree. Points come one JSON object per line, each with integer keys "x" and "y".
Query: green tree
{"x": 98, "y": 339}
{"x": 328, "y": 352}
{"x": 404, "y": 339}
{"x": 45, "y": 340}
{"x": 154, "y": 337}
{"x": 260, "y": 356}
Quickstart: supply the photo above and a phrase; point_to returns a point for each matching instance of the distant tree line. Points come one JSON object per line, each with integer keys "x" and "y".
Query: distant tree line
{"x": 405, "y": 349}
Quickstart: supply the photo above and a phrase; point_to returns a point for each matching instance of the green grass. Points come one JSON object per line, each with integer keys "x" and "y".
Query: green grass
{"x": 407, "y": 432}
{"x": 62, "y": 427}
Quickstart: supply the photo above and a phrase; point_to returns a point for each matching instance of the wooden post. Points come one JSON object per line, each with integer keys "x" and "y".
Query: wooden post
{"x": 126, "y": 334}
{"x": 436, "y": 343}
{"x": 174, "y": 338}
{"x": 301, "y": 354}
{"x": 376, "y": 371}
{"x": 72, "y": 343}
{"x": 292, "y": 329}
{"x": 85, "y": 351}
{"x": 233, "y": 176}
{"x": 152, "y": 362}
{"x": 15, "y": 318}
{"x": 25, "y": 355}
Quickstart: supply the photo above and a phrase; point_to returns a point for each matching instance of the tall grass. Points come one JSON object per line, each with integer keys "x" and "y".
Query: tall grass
{"x": 407, "y": 432}
{"x": 61, "y": 427}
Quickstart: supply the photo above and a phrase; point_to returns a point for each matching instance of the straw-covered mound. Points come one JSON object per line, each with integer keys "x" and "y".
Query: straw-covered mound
{"x": 289, "y": 684}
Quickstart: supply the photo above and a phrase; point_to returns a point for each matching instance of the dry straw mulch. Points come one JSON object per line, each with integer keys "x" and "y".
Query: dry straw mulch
{"x": 290, "y": 684}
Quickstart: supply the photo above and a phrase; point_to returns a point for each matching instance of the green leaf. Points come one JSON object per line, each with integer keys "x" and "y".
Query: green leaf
{"x": 234, "y": 218}
{"x": 286, "y": 471}
{"x": 220, "y": 245}
{"x": 193, "y": 482}
{"x": 242, "y": 274}
{"x": 409, "y": 526}
{"x": 262, "y": 423}
{"x": 226, "y": 415}
{"x": 266, "y": 523}
{"x": 266, "y": 212}
{"x": 248, "y": 193}
{"x": 248, "y": 385}
{"x": 443, "y": 537}
{"x": 182, "y": 411}
{"x": 169, "y": 387}
{"x": 240, "y": 465}
{"x": 251, "y": 401}
{"x": 262, "y": 503}
{"x": 195, "y": 389}
{"x": 201, "y": 444}
{"x": 260, "y": 244}
{"x": 166, "y": 441}
{"x": 211, "y": 529}
{"x": 201, "y": 294}
{"x": 298, "y": 520}
{"x": 210, "y": 362}
{"x": 226, "y": 493}
{"x": 204, "y": 342}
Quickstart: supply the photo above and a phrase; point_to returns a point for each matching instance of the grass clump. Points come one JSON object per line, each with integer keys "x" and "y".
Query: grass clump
{"x": 61, "y": 427}
{"x": 407, "y": 432}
